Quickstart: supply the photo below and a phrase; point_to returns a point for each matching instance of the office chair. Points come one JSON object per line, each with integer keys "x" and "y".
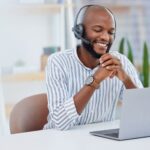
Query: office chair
{"x": 30, "y": 114}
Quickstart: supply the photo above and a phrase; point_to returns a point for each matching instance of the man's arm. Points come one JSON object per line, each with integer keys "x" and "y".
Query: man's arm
{"x": 111, "y": 62}
{"x": 128, "y": 82}
{"x": 84, "y": 95}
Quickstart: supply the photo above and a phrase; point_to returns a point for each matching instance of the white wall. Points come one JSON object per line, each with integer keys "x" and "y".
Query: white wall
{"x": 3, "y": 125}
{"x": 24, "y": 32}
{"x": 14, "y": 92}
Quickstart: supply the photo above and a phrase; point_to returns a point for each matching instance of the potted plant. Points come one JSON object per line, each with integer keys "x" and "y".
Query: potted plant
{"x": 144, "y": 72}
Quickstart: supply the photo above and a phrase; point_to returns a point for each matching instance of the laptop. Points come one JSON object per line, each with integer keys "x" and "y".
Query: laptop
{"x": 135, "y": 117}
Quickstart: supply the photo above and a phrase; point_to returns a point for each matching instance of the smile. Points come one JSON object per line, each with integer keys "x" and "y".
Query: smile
{"x": 102, "y": 44}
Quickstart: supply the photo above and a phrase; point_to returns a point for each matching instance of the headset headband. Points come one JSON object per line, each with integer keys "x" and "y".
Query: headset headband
{"x": 76, "y": 18}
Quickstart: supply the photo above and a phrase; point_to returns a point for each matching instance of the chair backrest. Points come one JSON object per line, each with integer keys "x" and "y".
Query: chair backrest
{"x": 29, "y": 114}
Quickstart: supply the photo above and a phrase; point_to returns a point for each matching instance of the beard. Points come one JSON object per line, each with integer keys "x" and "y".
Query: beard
{"x": 90, "y": 49}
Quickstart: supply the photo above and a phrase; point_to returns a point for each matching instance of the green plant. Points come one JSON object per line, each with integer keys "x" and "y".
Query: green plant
{"x": 121, "y": 46}
{"x": 129, "y": 48}
{"x": 130, "y": 54}
{"x": 145, "y": 67}
{"x": 144, "y": 72}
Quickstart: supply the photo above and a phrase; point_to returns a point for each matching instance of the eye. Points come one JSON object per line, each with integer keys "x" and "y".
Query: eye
{"x": 97, "y": 29}
{"x": 111, "y": 32}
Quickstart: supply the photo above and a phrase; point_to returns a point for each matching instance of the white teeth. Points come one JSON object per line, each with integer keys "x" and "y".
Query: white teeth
{"x": 101, "y": 44}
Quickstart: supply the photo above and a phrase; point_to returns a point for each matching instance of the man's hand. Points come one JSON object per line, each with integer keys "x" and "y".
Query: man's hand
{"x": 114, "y": 65}
{"x": 102, "y": 73}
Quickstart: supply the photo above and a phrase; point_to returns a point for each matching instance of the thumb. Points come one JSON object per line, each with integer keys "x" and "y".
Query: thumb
{"x": 112, "y": 74}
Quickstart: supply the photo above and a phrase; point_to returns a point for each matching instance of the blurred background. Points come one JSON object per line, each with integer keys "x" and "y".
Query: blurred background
{"x": 31, "y": 30}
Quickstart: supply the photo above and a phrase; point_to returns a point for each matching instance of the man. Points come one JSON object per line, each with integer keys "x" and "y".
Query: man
{"x": 84, "y": 85}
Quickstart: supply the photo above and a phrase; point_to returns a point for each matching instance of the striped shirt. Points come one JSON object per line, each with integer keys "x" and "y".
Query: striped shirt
{"x": 66, "y": 75}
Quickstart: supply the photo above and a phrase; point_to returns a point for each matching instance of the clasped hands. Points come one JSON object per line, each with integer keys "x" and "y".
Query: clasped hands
{"x": 110, "y": 66}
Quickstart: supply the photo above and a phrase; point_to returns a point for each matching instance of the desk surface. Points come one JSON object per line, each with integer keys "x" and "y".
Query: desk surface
{"x": 74, "y": 139}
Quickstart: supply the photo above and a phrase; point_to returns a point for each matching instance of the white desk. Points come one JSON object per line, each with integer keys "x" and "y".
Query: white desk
{"x": 74, "y": 139}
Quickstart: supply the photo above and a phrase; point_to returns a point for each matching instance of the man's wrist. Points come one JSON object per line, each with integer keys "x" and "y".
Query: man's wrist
{"x": 125, "y": 79}
{"x": 97, "y": 79}
{"x": 128, "y": 83}
{"x": 92, "y": 82}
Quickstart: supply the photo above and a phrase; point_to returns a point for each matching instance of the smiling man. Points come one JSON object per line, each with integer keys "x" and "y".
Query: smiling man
{"x": 84, "y": 84}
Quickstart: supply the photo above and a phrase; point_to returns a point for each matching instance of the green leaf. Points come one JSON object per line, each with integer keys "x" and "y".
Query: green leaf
{"x": 130, "y": 54}
{"x": 145, "y": 66}
{"x": 121, "y": 46}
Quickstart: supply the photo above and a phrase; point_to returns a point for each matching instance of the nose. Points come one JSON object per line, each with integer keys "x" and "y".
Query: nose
{"x": 104, "y": 36}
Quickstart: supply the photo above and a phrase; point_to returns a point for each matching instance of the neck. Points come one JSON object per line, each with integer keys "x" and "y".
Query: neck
{"x": 86, "y": 58}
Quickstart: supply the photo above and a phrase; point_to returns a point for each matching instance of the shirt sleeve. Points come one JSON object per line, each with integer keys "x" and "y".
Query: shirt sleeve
{"x": 132, "y": 72}
{"x": 62, "y": 111}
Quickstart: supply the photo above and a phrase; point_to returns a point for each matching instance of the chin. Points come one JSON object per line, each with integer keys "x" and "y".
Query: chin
{"x": 94, "y": 51}
{"x": 101, "y": 51}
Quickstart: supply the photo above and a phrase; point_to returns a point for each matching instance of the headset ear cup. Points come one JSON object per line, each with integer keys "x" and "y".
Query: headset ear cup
{"x": 78, "y": 31}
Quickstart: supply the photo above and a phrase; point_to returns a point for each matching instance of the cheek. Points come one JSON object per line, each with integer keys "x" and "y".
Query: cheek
{"x": 111, "y": 38}
{"x": 92, "y": 35}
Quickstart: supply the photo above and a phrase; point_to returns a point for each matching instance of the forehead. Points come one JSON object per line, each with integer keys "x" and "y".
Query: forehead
{"x": 96, "y": 15}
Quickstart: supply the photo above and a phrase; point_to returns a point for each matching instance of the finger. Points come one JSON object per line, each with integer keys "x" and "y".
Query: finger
{"x": 111, "y": 62}
{"x": 112, "y": 67}
{"x": 107, "y": 63}
{"x": 105, "y": 57}
{"x": 112, "y": 75}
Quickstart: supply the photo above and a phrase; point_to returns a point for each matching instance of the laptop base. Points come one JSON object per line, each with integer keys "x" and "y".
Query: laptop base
{"x": 110, "y": 134}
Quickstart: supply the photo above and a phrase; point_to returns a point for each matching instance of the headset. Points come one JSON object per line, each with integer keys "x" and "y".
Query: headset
{"x": 78, "y": 29}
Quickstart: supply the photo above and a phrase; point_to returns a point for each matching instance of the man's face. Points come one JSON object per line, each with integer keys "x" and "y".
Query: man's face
{"x": 99, "y": 29}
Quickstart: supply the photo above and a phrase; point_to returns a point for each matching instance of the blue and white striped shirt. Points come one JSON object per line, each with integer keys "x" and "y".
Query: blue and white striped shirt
{"x": 65, "y": 76}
